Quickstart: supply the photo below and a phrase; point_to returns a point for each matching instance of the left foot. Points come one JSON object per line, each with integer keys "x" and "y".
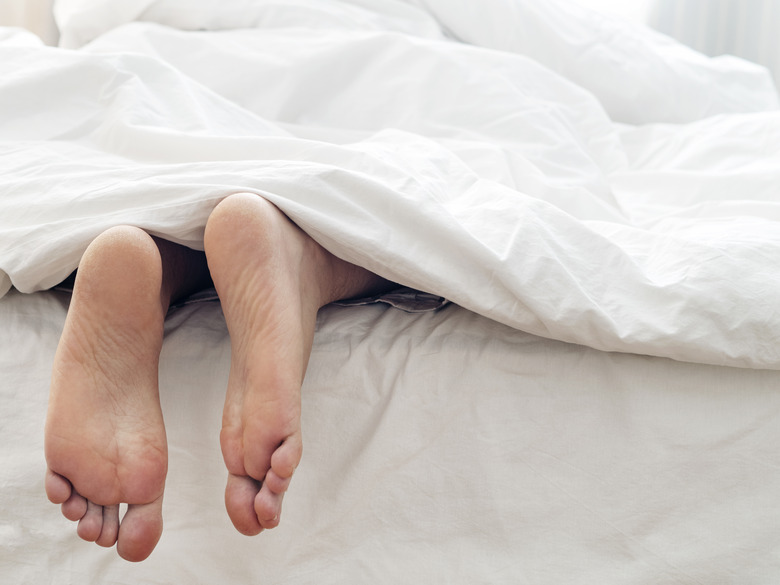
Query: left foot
{"x": 272, "y": 278}
{"x": 105, "y": 440}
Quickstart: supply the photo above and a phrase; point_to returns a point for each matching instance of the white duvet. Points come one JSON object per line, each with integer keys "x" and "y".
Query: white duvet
{"x": 572, "y": 176}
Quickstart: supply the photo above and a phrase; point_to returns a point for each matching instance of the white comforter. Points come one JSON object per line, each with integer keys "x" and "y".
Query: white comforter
{"x": 571, "y": 176}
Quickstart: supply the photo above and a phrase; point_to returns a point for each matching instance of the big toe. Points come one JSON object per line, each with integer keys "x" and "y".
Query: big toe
{"x": 240, "y": 494}
{"x": 140, "y": 530}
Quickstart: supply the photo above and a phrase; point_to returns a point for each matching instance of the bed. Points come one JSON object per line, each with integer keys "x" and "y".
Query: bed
{"x": 596, "y": 402}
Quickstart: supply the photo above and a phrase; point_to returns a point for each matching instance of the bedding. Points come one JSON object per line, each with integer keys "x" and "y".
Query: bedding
{"x": 599, "y": 203}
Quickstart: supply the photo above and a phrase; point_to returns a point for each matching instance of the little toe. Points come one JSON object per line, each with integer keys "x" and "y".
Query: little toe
{"x": 240, "y": 494}
{"x": 58, "y": 489}
{"x": 140, "y": 530}
{"x": 91, "y": 524}
{"x": 75, "y": 506}
{"x": 287, "y": 457}
{"x": 110, "y": 530}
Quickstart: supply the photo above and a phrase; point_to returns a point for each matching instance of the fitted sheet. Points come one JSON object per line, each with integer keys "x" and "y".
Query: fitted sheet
{"x": 438, "y": 447}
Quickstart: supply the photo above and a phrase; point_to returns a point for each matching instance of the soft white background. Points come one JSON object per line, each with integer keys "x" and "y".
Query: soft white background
{"x": 32, "y": 14}
{"x": 744, "y": 28}
{"x": 36, "y": 14}
{"x": 633, "y": 9}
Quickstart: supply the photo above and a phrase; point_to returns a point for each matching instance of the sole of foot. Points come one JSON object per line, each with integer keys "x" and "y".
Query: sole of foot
{"x": 105, "y": 440}
{"x": 271, "y": 278}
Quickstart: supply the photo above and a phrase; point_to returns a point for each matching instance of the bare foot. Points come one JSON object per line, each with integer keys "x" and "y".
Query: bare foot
{"x": 105, "y": 440}
{"x": 272, "y": 278}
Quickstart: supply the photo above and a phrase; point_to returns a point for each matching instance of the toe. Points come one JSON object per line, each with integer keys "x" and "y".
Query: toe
{"x": 140, "y": 530}
{"x": 268, "y": 507}
{"x": 276, "y": 484}
{"x": 91, "y": 523}
{"x": 264, "y": 456}
{"x": 110, "y": 530}
{"x": 240, "y": 494}
{"x": 74, "y": 507}
{"x": 287, "y": 457}
{"x": 58, "y": 489}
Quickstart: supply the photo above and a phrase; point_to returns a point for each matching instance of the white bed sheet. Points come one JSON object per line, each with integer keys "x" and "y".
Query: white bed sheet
{"x": 439, "y": 448}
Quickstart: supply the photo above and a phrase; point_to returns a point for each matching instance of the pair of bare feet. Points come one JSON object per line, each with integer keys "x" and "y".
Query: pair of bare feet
{"x": 105, "y": 439}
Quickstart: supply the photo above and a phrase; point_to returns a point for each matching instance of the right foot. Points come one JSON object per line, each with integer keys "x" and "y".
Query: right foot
{"x": 105, "y": 439}
{"x": 272, "y": 278}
